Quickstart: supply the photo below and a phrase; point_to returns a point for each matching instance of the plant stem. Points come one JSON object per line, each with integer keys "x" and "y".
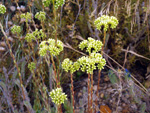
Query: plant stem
{"x": 41, "y": 85}
{"x": 27, "y": 26}
{"x": 60, "y": 109}
{"x": 103, "y": 43}
{"x": 12, "y": 55}
{"x": 99, "y": 72}
{"x": 72, "y": 92}
{"x": 54, "y": 12}
{"x": 88, "y": 93}
{"x": 91, "y": 93}
{"x": 54, "y": 70}
{"x": 99, "y": 75}
{"x": 55, "y": 22}
{"x": 42, "y": 24}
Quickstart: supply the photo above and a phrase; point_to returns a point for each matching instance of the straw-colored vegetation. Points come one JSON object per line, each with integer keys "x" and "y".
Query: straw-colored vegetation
{"x": 48, "y": 48}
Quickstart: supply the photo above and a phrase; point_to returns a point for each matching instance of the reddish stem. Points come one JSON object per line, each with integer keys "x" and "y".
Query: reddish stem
{"x": 72, "y": 93}
{"x": 88, "y": 93}
{"x": 99, "y": 72}
{"x": 91, "y": 93}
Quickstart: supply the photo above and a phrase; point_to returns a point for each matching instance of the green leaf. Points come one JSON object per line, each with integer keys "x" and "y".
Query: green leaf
{"x": 143, "y": 108}
{"x": 113, "y": 77}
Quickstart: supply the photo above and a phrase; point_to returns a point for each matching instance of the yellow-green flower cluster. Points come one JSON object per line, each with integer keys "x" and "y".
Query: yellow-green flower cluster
{"x": 40, "y": 16}
{"x": 36, "y": 34}
{"x": 31, "y": 66}
{"x": 50, "y": 46}
{"x": 101, "y": 62}
{"x": 68, "y": 65}
{"x": 57, "y": 96}
{"x": 39, "y": 34}
{"x": 57, "y": 3}
{"x": 2, "y": 9}
{"x": 91, "y": 45}
{"x": 29, "y": 37}
{"x": 16, "y": 29}
{"x": 90, "y": 63}
{"x": 105, "y": 21}
{"x": 87, "y": 64}
{"x": 46, "y": 3}
{"x": 95, "y": 60}
{"x": 27, "y": 16}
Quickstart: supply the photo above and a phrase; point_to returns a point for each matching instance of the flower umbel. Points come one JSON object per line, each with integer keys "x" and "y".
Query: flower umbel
{"x": 91, "y": 45}
{"x": 31, "y": 66}
{"x": 29, "y": 37}
{"x": 36, "y": 34}
{"x": 40, "y": 16}
{"x": 50, "y": 46}
{"x": 2, "y": 9}
{"x": 46, "y": 3}
{"x": 105, "y": 21}
{"x": 39, "y": 34}
{"x": 99, "y": 60}
{"x": 68, "y": 65}
{"x": 58, "y": 97}
{"x": 27, "y": 16}
{"x": 87, "y": 64}
{"x": 57, "y": 3}
{"x": 16, "y": 29}
{"x": 90, "y": 63}
{"x": 94, "y": 60}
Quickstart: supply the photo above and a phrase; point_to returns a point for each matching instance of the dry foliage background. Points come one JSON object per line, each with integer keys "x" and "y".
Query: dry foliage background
{"x": 128, "y": 45}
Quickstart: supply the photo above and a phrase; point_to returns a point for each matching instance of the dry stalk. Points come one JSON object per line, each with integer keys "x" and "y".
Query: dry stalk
{"x": 116, "y": 8}
{"x": 125, "y": 60}
{"x": 140, "y": 85}
{"x": 54, "y": 70}
{"x": 14, "y": 60}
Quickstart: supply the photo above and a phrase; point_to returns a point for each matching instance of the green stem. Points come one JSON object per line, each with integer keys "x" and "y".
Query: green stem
{"x": 27, "y": 26}
{"x": 42, "y": 24}
{"x": 43, "y": 93}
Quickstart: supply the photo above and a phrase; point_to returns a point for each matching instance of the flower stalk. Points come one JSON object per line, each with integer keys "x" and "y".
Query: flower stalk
{"x": 104, "y": 21}
{"x": 88, "y": 92}
{"x": 72, "y": 90}
{"x": 68, "y": 65}
{"x": 14, "y": 60}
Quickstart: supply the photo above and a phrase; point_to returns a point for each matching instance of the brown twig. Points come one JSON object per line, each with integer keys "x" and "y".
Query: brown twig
{"x": 142, "y": 87}
{"x": 132, "y": 52}
{"x": 125, "y": 60}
